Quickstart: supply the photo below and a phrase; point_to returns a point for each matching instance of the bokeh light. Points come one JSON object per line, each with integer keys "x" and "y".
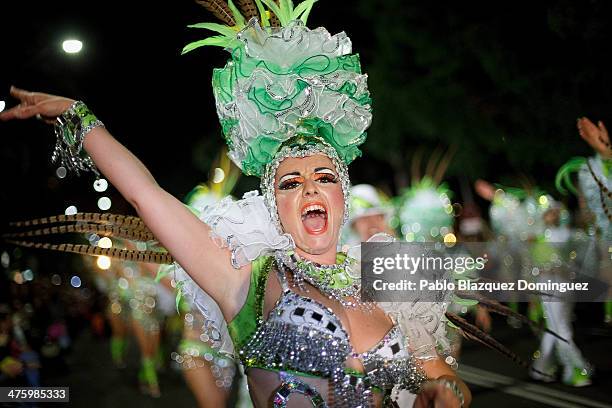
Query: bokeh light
{"x": 104, "y": 203}
{"x": 56, "y": 279}
{"x": 219, "y": 175}
{"x": 103, "y": 262}
{"x": 61, "y": 172}
{"x": 75, "y": 281}
{"x": 28, "y": 275}
{"x": 450, "y": 239}
{"x": 100, "y": 185}
{"x": 105, "y": 242}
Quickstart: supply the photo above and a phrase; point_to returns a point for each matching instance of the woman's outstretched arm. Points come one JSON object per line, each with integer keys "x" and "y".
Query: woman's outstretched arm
{"x": 177, "y": 229}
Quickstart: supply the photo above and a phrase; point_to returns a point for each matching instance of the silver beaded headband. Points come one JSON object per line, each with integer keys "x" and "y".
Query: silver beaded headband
{"x": 267, "y": 180}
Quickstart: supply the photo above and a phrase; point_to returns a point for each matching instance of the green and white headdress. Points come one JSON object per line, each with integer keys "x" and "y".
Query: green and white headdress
{"x": 284, "y": 81}
{"x": 425, "y": 211}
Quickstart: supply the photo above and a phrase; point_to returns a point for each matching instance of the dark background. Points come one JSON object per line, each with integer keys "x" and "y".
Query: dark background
{"x": 501, "y": 82}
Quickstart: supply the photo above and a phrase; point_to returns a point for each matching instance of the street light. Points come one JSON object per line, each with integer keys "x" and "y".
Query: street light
{"x": 72, "y": 46}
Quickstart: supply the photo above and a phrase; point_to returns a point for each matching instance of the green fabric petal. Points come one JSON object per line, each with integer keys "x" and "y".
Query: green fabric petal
{"x": 563, "y": 180}
{"x": 264, "y": 147}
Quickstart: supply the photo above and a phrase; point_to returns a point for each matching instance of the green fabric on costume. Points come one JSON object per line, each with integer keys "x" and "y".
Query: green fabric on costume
{"x": 536, "y": 312}
{"x": 340, "y": 279}
{"x": 244, "y": 323}
{"x": 269, "y": 92}
{"x": 608, "y": 308}
{"x": 262, "y": 148}
{"x": 202, "y": 348}
{"x": 160, "y": 357}
{"x": 542, "y": 252}
{"x": 148, "y": 372}
{"x": 606, "y": 165}
{"x": 117, "y": 345}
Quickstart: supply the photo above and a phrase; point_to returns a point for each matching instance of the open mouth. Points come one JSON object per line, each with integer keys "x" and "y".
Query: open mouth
{"x": 314, "y": 218}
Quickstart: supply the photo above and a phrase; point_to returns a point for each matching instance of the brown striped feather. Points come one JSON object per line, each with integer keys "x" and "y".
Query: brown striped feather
{"x": 103, "y": 218}
{"x": 123, "y": 254}
{"x": 248, "y": 8}
{"x": 219, "y": 9}
{"x": 105, "y": 230}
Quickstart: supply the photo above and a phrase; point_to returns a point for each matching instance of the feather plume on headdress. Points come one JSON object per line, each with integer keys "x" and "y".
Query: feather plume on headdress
{"x": 285, "y": 81}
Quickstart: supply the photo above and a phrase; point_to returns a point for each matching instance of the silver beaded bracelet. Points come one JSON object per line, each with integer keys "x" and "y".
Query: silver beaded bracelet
{"x": 71, "y": 127}
{"x": 451, "y": 385}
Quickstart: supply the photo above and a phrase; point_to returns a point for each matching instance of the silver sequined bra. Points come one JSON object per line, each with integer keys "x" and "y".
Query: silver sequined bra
{"x": 303, "y": 337}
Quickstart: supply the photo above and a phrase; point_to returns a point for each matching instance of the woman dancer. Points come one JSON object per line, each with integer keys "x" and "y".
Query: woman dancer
{"x": 290, "y": 301}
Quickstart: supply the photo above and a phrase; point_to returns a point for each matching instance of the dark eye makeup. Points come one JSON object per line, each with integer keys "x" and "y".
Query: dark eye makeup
{"x": 326, "y": 178}
{"x": 322, "y": 175}
{"x": 289, "y": 184}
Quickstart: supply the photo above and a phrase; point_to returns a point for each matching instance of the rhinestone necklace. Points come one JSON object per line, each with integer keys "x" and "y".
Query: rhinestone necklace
{"x": 334, "y": 281}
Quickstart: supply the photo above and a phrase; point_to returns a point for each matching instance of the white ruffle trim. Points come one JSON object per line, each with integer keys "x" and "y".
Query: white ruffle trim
{"x": 245, "y": 228}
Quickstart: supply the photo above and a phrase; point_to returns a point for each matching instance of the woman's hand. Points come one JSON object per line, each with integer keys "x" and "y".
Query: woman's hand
{"x": 485, "y": 189}
{"x": 436, "y": 395}
{"x": 33, "y": 104}
{"x": 595, "y": 136}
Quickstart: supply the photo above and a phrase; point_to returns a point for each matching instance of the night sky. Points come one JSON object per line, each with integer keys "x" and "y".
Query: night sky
{"x": 502, "y": 83}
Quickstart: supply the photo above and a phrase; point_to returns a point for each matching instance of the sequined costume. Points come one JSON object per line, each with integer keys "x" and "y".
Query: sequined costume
{"x": 301, "y": 340}
{"x": 304, "y": 338}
